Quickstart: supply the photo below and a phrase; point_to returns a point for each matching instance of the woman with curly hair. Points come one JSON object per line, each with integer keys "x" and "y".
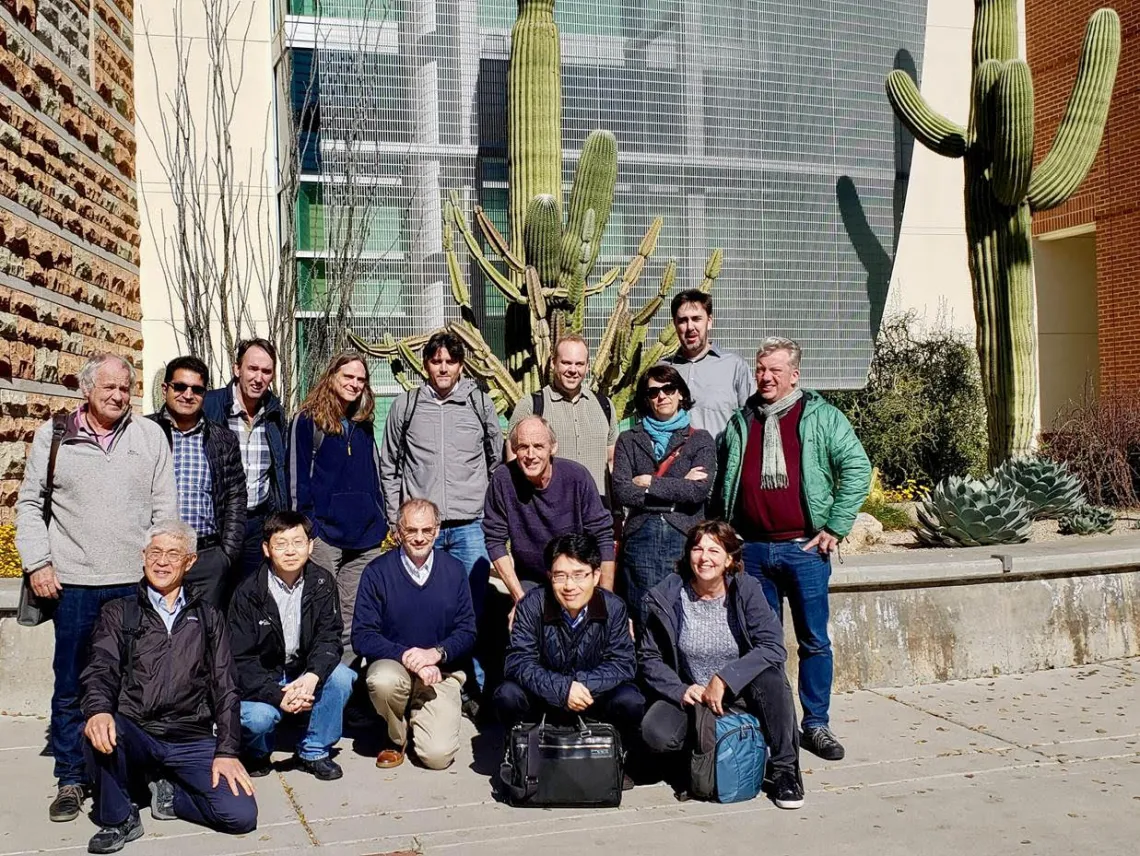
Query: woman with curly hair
{"x": 334, "y": 475}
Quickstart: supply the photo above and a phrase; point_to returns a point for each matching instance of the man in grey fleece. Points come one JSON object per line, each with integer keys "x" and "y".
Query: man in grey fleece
{"x": 113, "y": 479}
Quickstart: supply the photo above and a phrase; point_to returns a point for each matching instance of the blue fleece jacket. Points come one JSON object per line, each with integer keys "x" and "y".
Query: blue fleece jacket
{"x": 338, "y": 489}
{"x": 394, "y": 614}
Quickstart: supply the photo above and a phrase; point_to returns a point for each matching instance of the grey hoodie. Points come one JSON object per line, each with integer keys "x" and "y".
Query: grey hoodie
{"x": 102, "y": 504}
{"x": 450, "y": 449}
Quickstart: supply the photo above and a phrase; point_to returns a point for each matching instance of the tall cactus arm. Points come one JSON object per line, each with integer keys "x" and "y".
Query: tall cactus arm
{"x": 933, "y": 130}
{"x": 496, "y": 240}
{"x": 542, "y": 238}
{"x": 995, "y": 30}
{"x": 646, "y": 313}
{"x": 1013, "y": 133}
{"x": 459, "y": 291}
{"x": 712, "y": 270}
{"x": 592, "y": 190}
{"x": 1078, "y": 138}
{"x": 981, "y": 129}
{"x": 493, "y": 273}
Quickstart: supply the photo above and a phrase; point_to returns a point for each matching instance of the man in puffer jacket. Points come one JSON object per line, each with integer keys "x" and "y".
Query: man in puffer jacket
{"x": 571, "y": 653}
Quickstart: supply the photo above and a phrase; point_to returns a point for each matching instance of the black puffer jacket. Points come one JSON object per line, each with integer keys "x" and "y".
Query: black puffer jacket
{"x": 545, "y": 655}
{"x": 259, "y": 641}
{"x": 227, "y": 480}
{"x": 182, "y": 684}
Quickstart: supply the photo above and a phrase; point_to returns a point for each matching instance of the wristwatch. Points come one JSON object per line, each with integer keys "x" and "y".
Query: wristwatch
{"x": 442, "y": 653}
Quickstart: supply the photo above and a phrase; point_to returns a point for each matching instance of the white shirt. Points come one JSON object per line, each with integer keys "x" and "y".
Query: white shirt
{"x": 288, "y": 602}
{"x": 419, "y": 575}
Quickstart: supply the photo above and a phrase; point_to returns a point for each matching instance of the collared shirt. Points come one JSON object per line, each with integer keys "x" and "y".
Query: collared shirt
{"x": 418, "y": 574}
{"x": 106, "y": 440}
{"x": 720, "y": 382}
{"x": 573, "y": 623}
{"x": 167, "y": 613}
{"x": 288, "y": 600}
{"x": 192, "y": 477}
{"x": 255, "y": 457}
{"x": 580, "y": 424}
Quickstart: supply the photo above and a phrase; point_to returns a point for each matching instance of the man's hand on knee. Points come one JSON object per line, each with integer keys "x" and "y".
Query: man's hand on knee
{"x": 100, "y": 730}
{"x": 232, "y": 770}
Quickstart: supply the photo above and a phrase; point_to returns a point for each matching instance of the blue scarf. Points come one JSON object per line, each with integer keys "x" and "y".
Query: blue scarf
{"x": 660, "y": 432}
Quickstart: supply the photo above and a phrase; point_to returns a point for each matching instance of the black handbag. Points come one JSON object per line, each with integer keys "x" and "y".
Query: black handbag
{"x": 563, "y": 765}
{"x": 32, "y": 611}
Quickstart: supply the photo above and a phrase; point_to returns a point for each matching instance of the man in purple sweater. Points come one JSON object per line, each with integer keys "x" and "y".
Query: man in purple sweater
{"x": 535, "y": 498}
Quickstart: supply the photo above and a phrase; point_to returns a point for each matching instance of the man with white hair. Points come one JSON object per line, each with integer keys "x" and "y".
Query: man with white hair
{"x": 160, "y": 699}
{"x": 95, "y": 480}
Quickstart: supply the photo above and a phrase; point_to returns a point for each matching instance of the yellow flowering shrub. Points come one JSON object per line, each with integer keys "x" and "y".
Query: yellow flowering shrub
{"x": 9, "y": 559}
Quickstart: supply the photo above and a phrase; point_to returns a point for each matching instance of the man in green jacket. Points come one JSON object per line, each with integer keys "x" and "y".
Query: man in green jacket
{"x": 793, "y": 475}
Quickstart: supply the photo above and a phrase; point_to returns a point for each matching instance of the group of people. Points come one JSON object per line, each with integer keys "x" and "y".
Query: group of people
{"x": 645, "y": 571}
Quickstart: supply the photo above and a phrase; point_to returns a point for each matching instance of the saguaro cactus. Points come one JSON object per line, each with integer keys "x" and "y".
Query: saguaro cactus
{"x": 1003, "y": 190}
{"x": 549, "y": 259}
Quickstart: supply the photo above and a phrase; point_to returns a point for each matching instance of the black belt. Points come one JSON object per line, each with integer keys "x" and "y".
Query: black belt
{"x": 452, "y": 524}
{"x": 207, "y": 541}
{"x": 261, "y": 510}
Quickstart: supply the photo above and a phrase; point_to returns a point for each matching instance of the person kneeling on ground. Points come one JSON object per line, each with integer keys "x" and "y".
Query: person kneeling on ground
{"x": 413, "y": 620}
{"x": 159, "y": 685}
{"x": 286, "y": 630}
{"x": 571, "y": 653}
{"x": 711, "y": 639}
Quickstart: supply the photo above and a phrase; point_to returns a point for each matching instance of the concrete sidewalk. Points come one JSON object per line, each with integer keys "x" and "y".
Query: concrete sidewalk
{"x": 1047, "y": 763}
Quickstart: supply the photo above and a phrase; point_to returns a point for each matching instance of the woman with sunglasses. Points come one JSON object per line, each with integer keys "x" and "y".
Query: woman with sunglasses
{"x": 663, "y": 476}
{"x": 334, "y": 475}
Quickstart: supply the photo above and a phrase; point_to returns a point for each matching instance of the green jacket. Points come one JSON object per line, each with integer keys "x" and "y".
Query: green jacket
{"x": 835, "y": 474}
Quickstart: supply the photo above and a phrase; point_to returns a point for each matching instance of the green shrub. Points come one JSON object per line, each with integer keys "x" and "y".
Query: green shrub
{"x": 921, "y": 415}
{"x": 1098, "y": 438}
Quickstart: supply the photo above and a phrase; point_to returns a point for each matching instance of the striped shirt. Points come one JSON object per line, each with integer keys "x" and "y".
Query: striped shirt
{"x": 255, "y": 457}
{"x": 192, "y": 479}
{"x": 288, "y": 602}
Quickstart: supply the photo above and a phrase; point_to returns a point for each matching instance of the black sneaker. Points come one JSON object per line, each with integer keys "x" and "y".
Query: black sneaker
{"x": 67, "y": 803}
{"x": 820, "y": 741}
{"x": 110, "y": 839}
{"x": 257, "y": 766}
{"x": 470, "y": 706}
{"x": 787, "y": 792}
{"x": 162, "y": 800}
{"x": 325, "y": 769}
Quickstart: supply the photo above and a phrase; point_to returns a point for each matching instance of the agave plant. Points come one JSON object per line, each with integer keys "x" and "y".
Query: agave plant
{"x": 966, "y": 512}
{"x": 1048, "y": 487}
{"x": 1088, "y": 520}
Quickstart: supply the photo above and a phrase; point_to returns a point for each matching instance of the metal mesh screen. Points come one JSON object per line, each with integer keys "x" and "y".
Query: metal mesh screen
{"x": 758, "y": 127}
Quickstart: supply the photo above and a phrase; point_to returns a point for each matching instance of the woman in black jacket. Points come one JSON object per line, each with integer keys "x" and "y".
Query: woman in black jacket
{"x": 571, "y": 653}
{"x": 712, "y": 639}
{"x": 663, "y": 475}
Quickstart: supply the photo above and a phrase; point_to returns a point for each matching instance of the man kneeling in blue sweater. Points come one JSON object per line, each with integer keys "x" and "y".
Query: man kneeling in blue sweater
{"x": 413, "y": 618}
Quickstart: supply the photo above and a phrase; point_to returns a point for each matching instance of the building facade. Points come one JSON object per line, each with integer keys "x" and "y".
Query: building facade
{"x": 69, "y": 227}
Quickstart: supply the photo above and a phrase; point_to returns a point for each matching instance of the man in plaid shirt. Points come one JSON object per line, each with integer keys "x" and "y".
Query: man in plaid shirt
{"x": 209, "y": 479}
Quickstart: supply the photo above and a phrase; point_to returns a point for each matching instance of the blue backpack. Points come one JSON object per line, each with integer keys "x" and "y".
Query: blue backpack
{"x": 730, "y": 757}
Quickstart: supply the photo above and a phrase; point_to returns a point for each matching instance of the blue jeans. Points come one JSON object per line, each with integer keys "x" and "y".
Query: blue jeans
{"x": 467, "y": 544}
{"x": 648, "y": 556}
{"x": 74, "y": 619}
{"x": 326, "y": 719}
{"x": 786, "y": 570}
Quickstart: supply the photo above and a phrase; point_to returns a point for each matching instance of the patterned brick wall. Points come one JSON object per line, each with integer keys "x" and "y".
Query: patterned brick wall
{"x": 69, "y": 223}
{"x": 1111, "y": 195}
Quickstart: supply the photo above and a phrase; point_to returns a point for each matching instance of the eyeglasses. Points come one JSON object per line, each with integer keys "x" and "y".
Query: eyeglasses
{"x": 180, "y": 388}
{"x": 426, "y": 533}
{"x": 282, "y": 545}
{"x": 652, "y": 392}
{"x": 153, "y": 554}
{"x": 578, "y": 577}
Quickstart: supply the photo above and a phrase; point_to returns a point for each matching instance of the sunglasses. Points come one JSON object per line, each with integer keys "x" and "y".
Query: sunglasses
{"x": 182, "y": 387}
{"x": 652, "y": 392}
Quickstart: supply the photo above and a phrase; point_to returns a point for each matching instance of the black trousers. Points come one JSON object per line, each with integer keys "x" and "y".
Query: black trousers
{"x": 210, "y": 577}
{"x": 667, "y": 727}
{"x": 622, "y": 707}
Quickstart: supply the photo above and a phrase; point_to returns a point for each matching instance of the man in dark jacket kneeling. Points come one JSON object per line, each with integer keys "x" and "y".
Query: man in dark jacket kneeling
{"x": 286, "y": 629}
{"x": 159, "y": 682}
{"x": 571, "y": 652}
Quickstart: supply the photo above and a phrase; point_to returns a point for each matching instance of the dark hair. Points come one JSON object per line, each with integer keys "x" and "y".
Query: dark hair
{"x": 723, "y": 534}
{"x": 579, "y": 546}
{"x": 444, "y": 339}
{"x": 662, "y": 374}
{"x": 265, "y": 345}
{"x": 192, "y": 364}
{"x": 283, "y": 521}
{"x": 691, "y": 295}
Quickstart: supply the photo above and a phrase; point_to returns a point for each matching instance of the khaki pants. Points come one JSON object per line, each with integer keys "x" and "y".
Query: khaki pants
{"x": 434, "y": 712}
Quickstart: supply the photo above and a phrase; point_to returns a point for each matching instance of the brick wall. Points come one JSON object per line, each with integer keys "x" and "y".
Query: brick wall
{"x": 68, "y": 212}
{"x": 1111, "y": 194}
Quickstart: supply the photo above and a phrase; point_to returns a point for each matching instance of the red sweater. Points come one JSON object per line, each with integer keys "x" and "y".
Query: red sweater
{"x": 772, "y": 515}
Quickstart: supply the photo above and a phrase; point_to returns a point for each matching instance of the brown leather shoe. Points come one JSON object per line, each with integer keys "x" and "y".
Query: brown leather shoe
{"x": 389, "y": 758}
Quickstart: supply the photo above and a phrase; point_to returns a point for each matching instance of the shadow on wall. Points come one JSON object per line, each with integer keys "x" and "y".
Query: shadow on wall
{"x": 874, "y": 257}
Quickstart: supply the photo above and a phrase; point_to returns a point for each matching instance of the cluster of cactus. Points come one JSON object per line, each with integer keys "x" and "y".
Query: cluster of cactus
{"x": 550, "y": 257}
{"x": 1087, "y": 520}
{"x": 1003, "y": 190}
{"x": 967, "y": 512}
{"x": 1048, "y": 487}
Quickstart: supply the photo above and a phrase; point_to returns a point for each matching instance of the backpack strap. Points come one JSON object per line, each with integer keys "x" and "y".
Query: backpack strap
{"x": 409, "y": 415}
{"x": 479, "y": 411}
{"x": 58, "y": 427}
{"x": 537, "y": 403}
{"x": 318, "y": 438}
{"x": 607, "y": 407}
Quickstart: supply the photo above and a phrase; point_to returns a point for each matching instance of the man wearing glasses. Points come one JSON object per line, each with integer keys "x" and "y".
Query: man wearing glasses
{"x": 571, "y": 652}
{"x": 209, "y": 477}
